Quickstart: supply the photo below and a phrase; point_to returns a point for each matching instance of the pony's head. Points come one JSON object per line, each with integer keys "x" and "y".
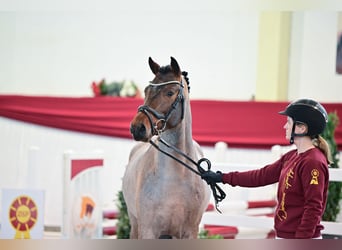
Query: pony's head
{"x": 163, "y": 107}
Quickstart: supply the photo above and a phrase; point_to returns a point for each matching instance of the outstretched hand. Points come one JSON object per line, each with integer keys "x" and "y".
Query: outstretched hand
{"x": 212, "y": 177}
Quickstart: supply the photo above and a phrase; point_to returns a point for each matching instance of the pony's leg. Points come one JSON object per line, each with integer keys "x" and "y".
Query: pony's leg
{"x": 194, "y": 234}
{"x": 190, "y": 233}
{"x": 146, "y": 233}
{"x": 134, "y": 227}
{"x": 134, "y": 232}
{"x": 146, "y": 230}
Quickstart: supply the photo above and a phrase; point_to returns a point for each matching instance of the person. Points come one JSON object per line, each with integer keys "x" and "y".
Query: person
{"x": 302, "y": 173}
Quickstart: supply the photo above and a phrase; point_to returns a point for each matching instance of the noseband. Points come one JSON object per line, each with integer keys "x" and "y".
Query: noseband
{"x": 162, "y": 119}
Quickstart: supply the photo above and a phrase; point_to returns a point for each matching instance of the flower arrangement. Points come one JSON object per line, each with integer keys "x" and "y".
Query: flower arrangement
{"x": 120, "y": 89}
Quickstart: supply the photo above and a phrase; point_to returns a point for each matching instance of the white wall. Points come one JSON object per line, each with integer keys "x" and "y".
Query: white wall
{"x": 62, "y": 52}
{"x": 313, "y": 55}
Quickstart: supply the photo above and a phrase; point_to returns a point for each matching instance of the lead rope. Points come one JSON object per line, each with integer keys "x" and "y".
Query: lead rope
{"x": 218, "y": 193}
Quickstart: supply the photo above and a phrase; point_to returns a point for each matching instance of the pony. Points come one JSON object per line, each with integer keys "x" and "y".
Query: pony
{"x": 164, "y": 199}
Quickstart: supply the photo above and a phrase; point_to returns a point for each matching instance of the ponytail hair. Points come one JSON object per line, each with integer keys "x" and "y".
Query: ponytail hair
{"x": 322, "y": 144}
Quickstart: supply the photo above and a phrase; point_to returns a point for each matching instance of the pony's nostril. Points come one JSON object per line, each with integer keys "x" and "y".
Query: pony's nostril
{"x": 141, "y": 130}
{"x": 138, "y": 132}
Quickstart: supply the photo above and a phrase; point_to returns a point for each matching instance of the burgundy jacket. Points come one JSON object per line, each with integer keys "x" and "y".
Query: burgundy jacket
{"x": 302, "y": 191}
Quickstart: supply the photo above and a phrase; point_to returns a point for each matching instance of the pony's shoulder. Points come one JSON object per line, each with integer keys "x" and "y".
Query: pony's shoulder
{"x": 198, "y": 148}
{"x": 138, "y": 147}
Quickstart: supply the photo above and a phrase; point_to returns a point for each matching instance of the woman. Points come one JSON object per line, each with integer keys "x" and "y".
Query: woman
{"x": 302, "y": 173}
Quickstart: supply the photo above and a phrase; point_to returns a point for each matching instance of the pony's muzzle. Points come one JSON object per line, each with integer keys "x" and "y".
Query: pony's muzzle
{"x": 138, "y": 132}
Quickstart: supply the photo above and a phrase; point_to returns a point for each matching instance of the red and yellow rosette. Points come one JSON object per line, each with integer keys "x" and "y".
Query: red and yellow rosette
{"x": 23, "y": 214}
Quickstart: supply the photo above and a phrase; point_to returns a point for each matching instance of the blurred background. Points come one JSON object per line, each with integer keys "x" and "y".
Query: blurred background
{"x": 231, "y": 52}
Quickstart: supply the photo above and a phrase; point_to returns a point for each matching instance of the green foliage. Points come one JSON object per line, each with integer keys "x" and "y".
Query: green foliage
{"x": 116, "y": 88}
{"x": 335, "y": 188}
{"x": 123, "y": 226}
{"x": 204, "y": 234}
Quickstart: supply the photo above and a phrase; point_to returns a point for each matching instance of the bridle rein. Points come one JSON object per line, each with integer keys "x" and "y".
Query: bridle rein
{"x": 156, "y": 129}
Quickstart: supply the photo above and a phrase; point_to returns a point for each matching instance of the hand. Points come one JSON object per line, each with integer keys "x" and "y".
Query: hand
{"x": 212, "y": 177}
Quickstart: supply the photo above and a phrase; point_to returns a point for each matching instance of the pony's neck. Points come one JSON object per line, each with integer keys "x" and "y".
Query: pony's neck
{"x": 181, "y": 138}
{"x": 181, "y": 135}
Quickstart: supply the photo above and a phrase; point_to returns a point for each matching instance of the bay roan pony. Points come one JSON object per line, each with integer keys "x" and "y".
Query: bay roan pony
{"x": 164, "y": 199}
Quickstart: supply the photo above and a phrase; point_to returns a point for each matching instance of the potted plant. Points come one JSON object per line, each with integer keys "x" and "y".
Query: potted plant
{"x": 123, "y": 226}
{"x": 335, "y": 188}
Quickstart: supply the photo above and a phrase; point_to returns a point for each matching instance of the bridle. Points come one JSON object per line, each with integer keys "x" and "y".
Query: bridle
{"x": 162, "y": 119}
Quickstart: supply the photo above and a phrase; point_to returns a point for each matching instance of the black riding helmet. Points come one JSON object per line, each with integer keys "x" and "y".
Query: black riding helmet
{"x": 309, "y": 112}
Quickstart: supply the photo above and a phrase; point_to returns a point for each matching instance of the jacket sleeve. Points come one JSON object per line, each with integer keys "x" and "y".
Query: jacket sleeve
{"x": 315, "y": 178}
{"x": 255, "y": 178}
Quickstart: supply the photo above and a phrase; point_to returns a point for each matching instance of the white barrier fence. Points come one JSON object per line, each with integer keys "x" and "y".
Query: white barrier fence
{"x": 82, "y": 201}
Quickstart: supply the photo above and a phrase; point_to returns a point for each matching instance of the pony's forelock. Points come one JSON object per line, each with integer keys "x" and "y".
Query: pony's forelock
{"x": 167, "y": 69}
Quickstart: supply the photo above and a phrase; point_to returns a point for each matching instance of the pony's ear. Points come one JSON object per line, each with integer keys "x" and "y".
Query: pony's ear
{"x": 175, "y": 67}
{"x": 153, "y": 65}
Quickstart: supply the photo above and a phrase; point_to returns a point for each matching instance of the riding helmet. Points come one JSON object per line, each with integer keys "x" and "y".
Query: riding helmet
{"x": 309, "y": 112}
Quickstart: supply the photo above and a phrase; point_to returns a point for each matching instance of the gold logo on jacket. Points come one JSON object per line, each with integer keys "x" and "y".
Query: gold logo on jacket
{"x": 314, "y": 175}
{"x": 281, "y": 212}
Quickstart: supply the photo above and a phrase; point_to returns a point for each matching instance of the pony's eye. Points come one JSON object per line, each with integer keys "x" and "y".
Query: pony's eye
{"x": 169, "y": 93}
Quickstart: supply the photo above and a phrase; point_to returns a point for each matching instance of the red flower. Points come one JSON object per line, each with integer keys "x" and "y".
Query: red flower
{"x": 96, "y": 89}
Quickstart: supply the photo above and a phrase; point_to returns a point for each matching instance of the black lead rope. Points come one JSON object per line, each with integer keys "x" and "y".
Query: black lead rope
{"x": 218, "y": 193}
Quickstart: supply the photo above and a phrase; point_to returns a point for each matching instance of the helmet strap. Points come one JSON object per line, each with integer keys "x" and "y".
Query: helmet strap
{"x": 293, "y": 134}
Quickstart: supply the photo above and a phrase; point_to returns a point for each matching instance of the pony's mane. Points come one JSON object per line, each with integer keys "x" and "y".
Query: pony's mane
{"x": 167, "y": 69}
{"x": 185, "y": 75}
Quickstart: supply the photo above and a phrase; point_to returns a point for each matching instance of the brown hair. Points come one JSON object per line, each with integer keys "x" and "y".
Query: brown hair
{"x": 322, "y": 144}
